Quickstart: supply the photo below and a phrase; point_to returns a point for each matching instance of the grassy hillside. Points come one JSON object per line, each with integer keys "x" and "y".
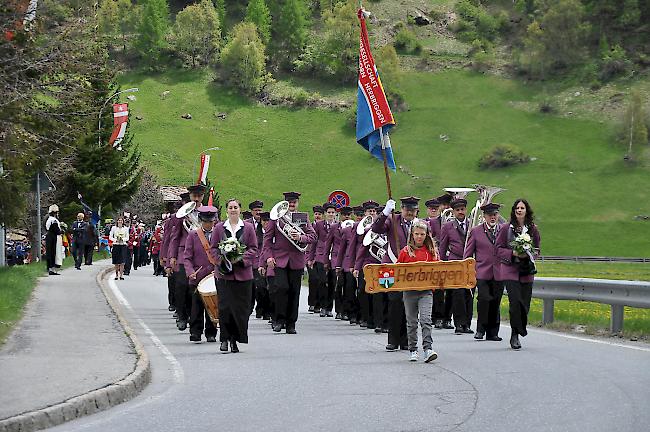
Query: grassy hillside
{"x": 584, "y": 196}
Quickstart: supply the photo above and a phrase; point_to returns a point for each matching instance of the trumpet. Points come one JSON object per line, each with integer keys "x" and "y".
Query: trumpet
{"x": 189, "y": 216}
{"x": 280, "y": 213}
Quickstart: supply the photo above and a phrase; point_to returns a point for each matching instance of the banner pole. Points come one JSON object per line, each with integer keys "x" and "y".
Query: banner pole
{"x": 388, "y": 187}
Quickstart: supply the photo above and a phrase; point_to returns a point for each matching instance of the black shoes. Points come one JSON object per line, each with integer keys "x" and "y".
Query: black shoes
{"x": 233, "y": 347}
{"x": 479, "y": 335}
{"x": 329, "y": 313}
{"x": 363, "y": 324}
{"x": 323, "y": 313}
{"x": 291, "y": 330}
{"x": 447, "y": 325}
{"x": 338, "y": 316}
{"x": 277, "y": 328}
{"x": 311, "y": 309}
{"x": 384, "y": 330}
{"x": 317, "y": 310}
{"x": 438, "y": 324}
{"x": 171, "y": 308}
{"x": 391, "y": 347}
{"x": 378, "y": 330}
{"x": 181, "y": 324}
{"x": 258, "y": 315}
{"x": 224, "y": 346}
{"x": 514, "y": 341}
{"x": 53, "y": 273}
{"x": 121, "y": 278}
{"x": 195, "y": 338}
{"x": 211, "y": 339}
{"x": 345, "y": 317}
{"x": 353, "y": 321}
{"x": 494, "y": 338}
{"x": 463, "y": 329}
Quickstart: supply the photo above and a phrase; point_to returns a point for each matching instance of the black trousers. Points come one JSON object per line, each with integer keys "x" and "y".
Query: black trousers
{"x": 234, "y": 301}
{"x": 171, "y": 289}
{"x": 88, "y": 253}
{"x": 350, "y": 302}
{"x": 262, "y": 307}
{"x": 312, "y": 297}
{"x": 396, "y": 320}
{"x": 182, "y": 294}
{"x": 519, "y": 294}
{"x": 365, "y": 302}
{"x": 273, "y": 291}
{"x": 442, "y": 302}
{"x": 199, "y": 318}
{"x": 380, "y": 309}
{"x": 339, "y": 282}
{"x": 488, "y": 306}
{"x": 77, "y": 253}
{"x": 325, "y": 286}
{"x": 128, "y": 260}
{"x": 157, "y": 269}
{"x": 463, "y": 306}
{"x": 136, "y": 257}
{"x": 287, "y": 284}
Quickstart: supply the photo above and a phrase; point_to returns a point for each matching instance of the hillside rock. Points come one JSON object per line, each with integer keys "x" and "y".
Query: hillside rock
{"x": 187, "y": 116}
{"x": 420, "y": 18}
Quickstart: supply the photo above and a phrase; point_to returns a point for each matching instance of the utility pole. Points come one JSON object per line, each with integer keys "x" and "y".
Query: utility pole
{"x": 36, "y": 246}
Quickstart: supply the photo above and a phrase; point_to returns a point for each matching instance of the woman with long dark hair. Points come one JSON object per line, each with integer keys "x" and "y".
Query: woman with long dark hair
{"x": 119, "y": 235}
{"x": 517, "y": 270}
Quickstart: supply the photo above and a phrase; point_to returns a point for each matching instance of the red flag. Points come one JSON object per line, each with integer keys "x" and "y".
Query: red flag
{"x": 120, "y": 121}
{"x": 211, "y": 197}
{"x": 203, "y": 169}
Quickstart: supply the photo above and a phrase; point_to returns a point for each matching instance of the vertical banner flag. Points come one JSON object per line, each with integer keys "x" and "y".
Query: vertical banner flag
{"x": 373, "y": 113}
{"x": 203, "y": 169}
{"x": 120, "y": 120}
{"x": 211, "y": 196}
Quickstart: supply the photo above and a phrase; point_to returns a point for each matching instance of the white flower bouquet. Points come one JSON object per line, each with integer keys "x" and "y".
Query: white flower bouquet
{"x": 232, "y": 250}
{"x": 522, "y": 244}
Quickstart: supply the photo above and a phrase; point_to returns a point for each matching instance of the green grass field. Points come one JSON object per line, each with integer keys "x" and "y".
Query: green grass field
{"x": 584, "y": 196}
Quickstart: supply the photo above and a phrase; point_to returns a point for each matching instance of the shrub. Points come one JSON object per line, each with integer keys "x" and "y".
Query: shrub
{"x": 614, "y": 63}
{"x": 546, "y": 106}
{"x": 407, "y": 42}
{"x": 501, "y": 156}
{"x": 482, "y": 61}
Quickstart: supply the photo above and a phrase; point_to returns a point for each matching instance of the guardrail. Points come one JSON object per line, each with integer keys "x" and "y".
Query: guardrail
{"x": 616, "y": 293}
{"x": 593, "y": 259}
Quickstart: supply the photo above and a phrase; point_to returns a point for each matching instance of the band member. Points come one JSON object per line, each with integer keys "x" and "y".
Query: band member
{"x": 288, "y": 262}
{"x": 90, "y": 240}
{"x": 339, "y": 240}
{"x": 318, "y": 259}
{"x": 234, "y": 281}
{"x": 481, "y": 244}
{"x": 333, "y": 245}
{"x": 377, "y": 303}
{"x": 182, "y": 295}
{"x": 452, "y": 247}
{"x": 165, "y": 256}
{"x": 312, "y": 275}
{"x": 418, "y": 304}
{"x": 53, "y": 228}
{"x": 199, "y": 262}
{"x": 401, "y": 224}
{"x": 442, "y": 300}
{"x": 260, "y": 292}
{"x": 78, "y": 235}
{"x": 518, "y": 270}
{"x": 268, "y": 274}
{"x": 154, "y": 249}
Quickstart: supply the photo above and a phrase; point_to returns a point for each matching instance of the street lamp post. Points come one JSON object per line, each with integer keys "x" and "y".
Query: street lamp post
{"x": 99, "y": 124}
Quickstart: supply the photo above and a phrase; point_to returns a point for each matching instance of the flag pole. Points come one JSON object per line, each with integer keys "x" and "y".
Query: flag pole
{"x": 390, "y": 192}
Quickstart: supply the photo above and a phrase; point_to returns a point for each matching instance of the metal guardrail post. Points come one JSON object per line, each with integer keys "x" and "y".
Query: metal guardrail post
{"x": 547, "y": 312}
{"x": 616, "y": 320}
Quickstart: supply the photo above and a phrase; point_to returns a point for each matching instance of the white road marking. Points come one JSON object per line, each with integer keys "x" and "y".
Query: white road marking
{"x": 177, "y": 369}
{"x": 593, "y": 340}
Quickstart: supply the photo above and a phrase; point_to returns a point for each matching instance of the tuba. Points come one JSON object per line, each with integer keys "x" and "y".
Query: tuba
{"x": 376, "y": 244}
{"x": 347, "y": 224}
{"x": 457, "y": 192}
{"x": 286, "y": 224}
{"x": 364, "y": 224}
{"x": 189, "y": 216}
{"x": 485, "y": 195}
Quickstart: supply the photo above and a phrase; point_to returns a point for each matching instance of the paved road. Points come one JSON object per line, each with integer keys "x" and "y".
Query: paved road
{"x": 338, "y": 377}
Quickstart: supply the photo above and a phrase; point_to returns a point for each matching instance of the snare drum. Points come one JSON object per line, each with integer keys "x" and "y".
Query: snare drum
{"x": 207, "y": 289}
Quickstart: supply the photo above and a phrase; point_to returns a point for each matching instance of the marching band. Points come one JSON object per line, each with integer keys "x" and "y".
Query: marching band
{"x": 220, "y": 272}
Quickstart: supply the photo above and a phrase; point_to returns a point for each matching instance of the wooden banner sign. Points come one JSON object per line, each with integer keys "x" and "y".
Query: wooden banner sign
{"x": 420, "y": 276}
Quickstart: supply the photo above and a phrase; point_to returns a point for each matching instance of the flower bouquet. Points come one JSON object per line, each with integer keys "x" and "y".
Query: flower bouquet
{"x": 523, "y": 247}
{"x": 232, "y": 252}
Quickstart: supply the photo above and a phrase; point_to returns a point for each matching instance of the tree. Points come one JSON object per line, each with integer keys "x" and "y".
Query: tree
{"x": 146, "y": 201}
{"x": 108, "y": 18}
{"x": 630, "y": 15}
{"x": 341, "y": 43}
{"x": 197, "y": 33}
{"x": 390, "y": 75}
{"x": 118, "y": 17}
{"x": 258, "y": 13}
{"x": 243, "y": 58}
{"x": 220, "y": 6}
{"x": 153, "y": 30}
{"x": 292, "y": 29}
{"x": 635, "y": 132}
{"x": 563, "y": 32}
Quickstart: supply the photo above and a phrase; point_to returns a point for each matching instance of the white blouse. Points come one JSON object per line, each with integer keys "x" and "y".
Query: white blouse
{"x": 116, "y": 232}
{"x": 229, "y": 228}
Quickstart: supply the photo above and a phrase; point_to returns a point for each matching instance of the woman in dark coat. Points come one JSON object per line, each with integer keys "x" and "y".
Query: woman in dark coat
{"x": 517, "y": 271}
{"x": 53, "y": 232}
{"x": 234, "y": 285}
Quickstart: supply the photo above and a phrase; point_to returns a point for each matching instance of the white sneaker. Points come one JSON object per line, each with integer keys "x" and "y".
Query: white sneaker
{"x": 430, "y": 355}
{"x": 414, "y": 356}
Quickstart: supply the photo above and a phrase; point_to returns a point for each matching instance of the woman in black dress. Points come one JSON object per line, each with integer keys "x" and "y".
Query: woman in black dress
{"x": 53, "y": 228}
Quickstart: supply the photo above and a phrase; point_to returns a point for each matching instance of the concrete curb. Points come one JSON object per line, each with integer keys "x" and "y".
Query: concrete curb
{"x": 96, "y": 400}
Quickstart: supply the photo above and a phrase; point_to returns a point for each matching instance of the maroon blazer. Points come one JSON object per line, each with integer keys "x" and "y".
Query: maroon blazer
{"x": 363, "y": 256}
{"x": 320, "y": 251}
{"x": 342, "y": 260}
{"x": 482, "y": 247}
{"x": 167, "y": 233}
{"x": 508, "y": 269}
{"x": 242, "y": 271}
{"x": 334, "y": 242}
{"x": 435, "y": 226}
{"x": 286, "y": 255}
{"x": 177, "y": 240}
{"x": 383, "y": 225}
{"x": 194, "y": 256}
{"x": 452, "y": 241}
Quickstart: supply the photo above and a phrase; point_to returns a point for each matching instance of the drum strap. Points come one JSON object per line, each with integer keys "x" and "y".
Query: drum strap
{"x": 206, "y": 246}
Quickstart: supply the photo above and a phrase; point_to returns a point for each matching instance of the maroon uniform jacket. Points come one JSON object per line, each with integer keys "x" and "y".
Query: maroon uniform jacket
{"x": 177, "y": 240}
{"x": 320, "y": 251}
{"x": 194, "y": 256}
{"x": 341, "y": 259}
{"x": 242, "y": 271}
{"x": 452, "y": 241}
{"x": 435, "y": 226}
{"x": 260, "y": 237}
{"x": 286, "y": 255}
{"x": 383, "y": 225}
{"x": 481, "y": 245}
{"x": 334, "y": 243}
{"x": 167, "y": 233}
{"x": 508, "y": 269}
{"x": 363, "y": 256}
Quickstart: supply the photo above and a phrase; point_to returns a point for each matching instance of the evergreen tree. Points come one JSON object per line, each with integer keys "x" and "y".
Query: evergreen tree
{"x": 630, "y": 15}
{"x": 258, "y": 13}
{"x": 292, "y": 29}
{"x": 220, "y": 7}
{"x": 153, "y": 29}
{"x": 243, "y": 58}
{"x": 108, "y": 18}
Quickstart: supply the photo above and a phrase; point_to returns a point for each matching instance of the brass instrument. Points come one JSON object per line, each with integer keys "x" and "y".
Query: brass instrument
{"x": 286, "y": 224}
{"x": 376, "y": 244}
{"x": 189, "y": 216}
{"x": 364, "y": 224}
{"x": 347, "y": 224}
{"x": 457, "y": 192}
{"x": 485, "y": 193}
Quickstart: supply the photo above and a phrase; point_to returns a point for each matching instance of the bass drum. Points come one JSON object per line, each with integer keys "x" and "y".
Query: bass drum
{"x": 207, "y": 289}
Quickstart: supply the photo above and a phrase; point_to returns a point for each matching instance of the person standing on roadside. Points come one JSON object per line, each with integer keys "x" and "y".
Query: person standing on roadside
{"x": 119, "y": 236}
{"x": 78, "y": 236}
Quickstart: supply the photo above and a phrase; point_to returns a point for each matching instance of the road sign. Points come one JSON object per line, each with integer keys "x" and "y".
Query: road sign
{"x": 339, "y": 198}
{"x": 44, "y": 181}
